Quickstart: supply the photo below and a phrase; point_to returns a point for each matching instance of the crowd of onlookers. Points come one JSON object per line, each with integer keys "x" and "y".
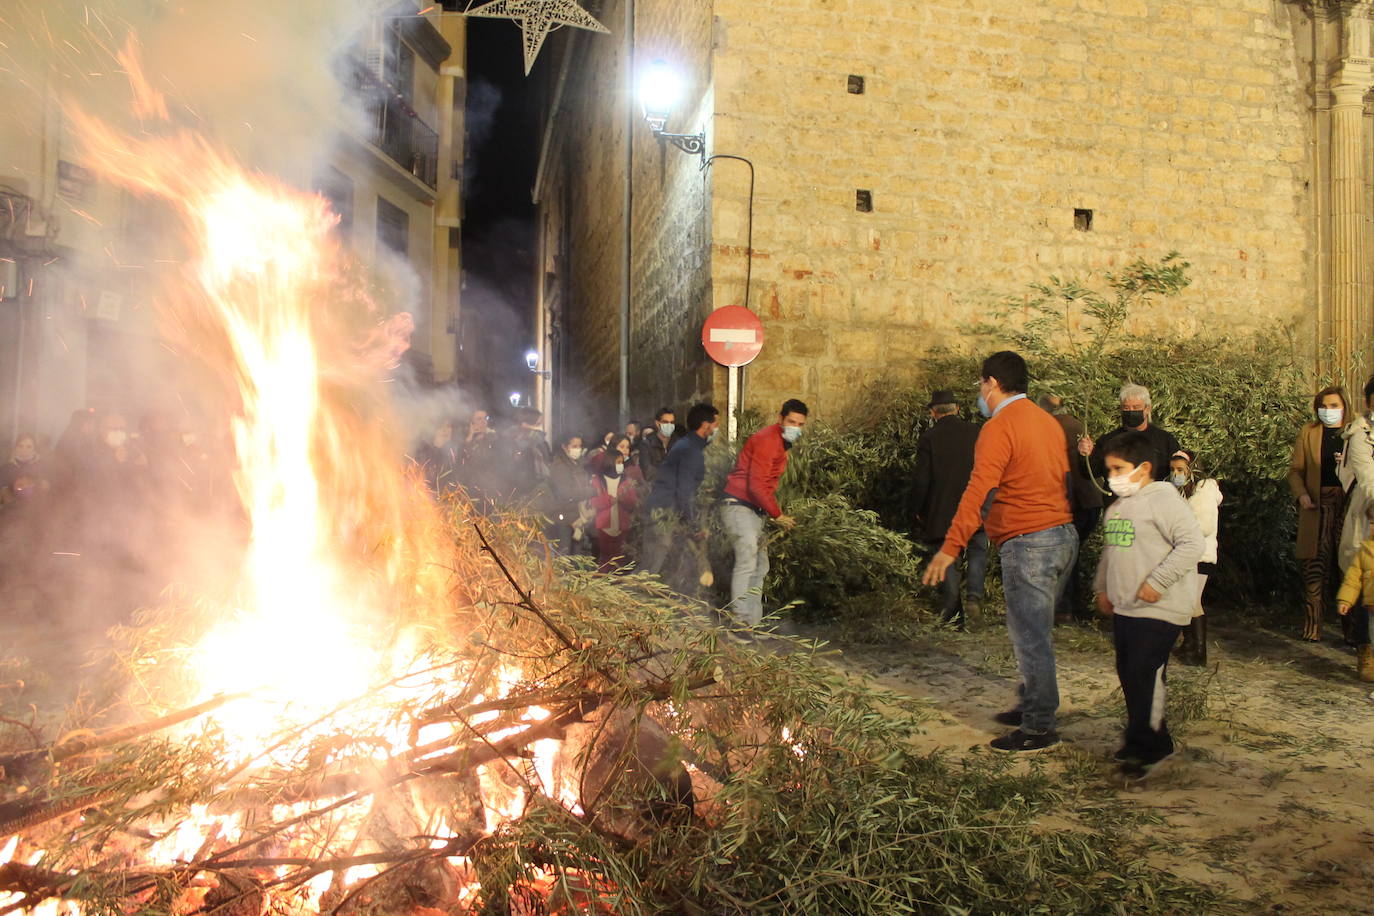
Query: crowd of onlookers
{"x": 592, "y": 491}
{"x": 628, "y": 497}
{"x": 84, "y": 520}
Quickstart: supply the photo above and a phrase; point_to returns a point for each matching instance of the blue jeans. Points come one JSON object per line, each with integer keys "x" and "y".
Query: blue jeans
{"x": 951, "y": 608}
{"x": 1035, "y": 568}
{"x": 744, "y": 527}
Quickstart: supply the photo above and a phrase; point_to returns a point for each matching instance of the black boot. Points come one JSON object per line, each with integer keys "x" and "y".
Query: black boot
{"x": 1193, "y": 648}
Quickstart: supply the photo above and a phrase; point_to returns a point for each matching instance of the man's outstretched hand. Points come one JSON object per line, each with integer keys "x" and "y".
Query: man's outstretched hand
{"x": 935, "y": 571}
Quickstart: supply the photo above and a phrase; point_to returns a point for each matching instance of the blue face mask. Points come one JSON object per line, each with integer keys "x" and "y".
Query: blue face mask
{"x": 983, "y": 407}
{"x": 792, "y": 433}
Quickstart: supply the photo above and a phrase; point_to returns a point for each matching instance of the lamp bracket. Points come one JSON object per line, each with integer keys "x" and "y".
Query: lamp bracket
{"x": 692, "y": 144}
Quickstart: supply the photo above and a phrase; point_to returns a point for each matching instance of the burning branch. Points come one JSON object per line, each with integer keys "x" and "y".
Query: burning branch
{"x": 21, "y": 765}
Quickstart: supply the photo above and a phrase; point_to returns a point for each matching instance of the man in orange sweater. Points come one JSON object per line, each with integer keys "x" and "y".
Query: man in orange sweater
{"x": 750, "y": 500}
{"x": 1020, "y": 452}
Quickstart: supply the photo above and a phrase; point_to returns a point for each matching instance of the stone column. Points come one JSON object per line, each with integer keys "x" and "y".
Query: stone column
{"x": 1350, "y": 269}
{"x": 1352, "y": 295}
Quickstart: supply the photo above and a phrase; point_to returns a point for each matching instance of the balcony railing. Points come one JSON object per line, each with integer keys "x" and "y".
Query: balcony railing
{"x": 395, "y": 128}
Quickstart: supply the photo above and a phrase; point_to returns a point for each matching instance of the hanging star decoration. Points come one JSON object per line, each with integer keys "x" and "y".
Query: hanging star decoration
{"x": 537, "y": 18}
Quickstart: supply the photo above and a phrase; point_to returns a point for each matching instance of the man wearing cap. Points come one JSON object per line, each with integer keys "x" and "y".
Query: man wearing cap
{"x": 944, "y": 460}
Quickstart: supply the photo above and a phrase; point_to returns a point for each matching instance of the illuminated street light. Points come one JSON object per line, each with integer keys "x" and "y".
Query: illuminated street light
{"x": 660, "y": 89}
{"x": 515, "y": 398}
{"x": 532, "y": 363}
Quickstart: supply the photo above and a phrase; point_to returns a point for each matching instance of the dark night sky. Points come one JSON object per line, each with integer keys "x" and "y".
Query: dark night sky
{"x": 498, "y": 223}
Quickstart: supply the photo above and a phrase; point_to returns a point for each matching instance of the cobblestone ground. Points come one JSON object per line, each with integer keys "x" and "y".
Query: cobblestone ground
{"x": 1269, "y": 795}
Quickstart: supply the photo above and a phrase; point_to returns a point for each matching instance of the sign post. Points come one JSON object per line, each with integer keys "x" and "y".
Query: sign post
{"x": 733, "y": 337}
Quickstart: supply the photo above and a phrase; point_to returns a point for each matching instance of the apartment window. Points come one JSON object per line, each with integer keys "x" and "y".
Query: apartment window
{"x": 337, "y": 188}
{"x": 393, "y": 226}
{"x": 399, "y": 65}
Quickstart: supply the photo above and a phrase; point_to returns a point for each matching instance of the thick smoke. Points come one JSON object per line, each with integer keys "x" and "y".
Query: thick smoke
{"x": 259, "y": 79}
{"x": 483, "y": 101}
{"x": 256, "y": 76}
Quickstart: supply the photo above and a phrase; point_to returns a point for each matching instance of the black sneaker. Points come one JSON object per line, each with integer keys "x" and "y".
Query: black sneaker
{"x": 1139, "y": 769}
{"x": 1021, "y": 742}
{"x": 1122, "y": 755}
{"x": 1010, "y": 718}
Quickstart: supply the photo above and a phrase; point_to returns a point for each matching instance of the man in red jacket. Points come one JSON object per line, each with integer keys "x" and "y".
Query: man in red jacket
{"x": 751, "y": 499}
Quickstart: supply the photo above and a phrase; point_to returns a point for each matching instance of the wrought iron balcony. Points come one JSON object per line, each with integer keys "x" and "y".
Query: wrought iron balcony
{"x": 394, "y": 127}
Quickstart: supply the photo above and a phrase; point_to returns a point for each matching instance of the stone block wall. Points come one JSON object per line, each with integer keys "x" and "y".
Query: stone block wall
{"x": 672, "y": 221}
{"x": 671, "y": 217}
{"x": 982, "y": 127}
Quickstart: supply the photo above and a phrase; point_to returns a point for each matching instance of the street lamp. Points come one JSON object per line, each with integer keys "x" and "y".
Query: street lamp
{"x": 532, "y": 363}
{"x": 660, "y": 89}
{"x": 515, "y": 397}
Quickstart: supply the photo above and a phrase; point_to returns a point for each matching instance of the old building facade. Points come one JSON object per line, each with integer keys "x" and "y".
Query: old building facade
{"x": 80, "y": 259}
{"x": 914, "y": 162}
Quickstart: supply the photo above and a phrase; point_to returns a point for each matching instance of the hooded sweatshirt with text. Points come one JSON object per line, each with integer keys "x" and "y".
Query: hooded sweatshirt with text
{"x": 1151, "y": 536}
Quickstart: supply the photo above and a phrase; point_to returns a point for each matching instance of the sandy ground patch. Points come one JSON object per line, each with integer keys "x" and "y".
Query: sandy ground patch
{"x": 1269, "y": 796}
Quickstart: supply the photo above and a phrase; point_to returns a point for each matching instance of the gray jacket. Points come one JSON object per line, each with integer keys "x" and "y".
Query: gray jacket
{"x": 1151, "y": 537}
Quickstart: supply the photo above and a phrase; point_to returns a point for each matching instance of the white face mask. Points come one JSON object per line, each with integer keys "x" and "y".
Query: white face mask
{"x": 116, "y": 438}
{"x": 791, "y": 433}
{"x": 1124, "y": 485}
{"x": 666, "y": 429}
{"x": 576, "y": 453}
{"x": 1179, "y": 480}
{"x": 1330, "y": 416}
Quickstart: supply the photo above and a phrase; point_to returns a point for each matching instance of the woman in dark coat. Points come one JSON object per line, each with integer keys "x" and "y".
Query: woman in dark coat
{"x": 1314, "y": 478}
{"x": 570, "y": 487}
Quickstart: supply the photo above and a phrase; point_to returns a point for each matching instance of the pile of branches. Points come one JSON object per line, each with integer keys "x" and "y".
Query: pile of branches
{"x": 696, "y": 775}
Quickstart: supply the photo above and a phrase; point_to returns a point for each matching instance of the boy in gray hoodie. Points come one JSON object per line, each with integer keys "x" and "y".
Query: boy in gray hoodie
{"x": 1147, "y": 581}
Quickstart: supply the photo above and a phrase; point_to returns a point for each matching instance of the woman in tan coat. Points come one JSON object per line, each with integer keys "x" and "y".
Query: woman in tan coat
{"x": 1313, "y": 476}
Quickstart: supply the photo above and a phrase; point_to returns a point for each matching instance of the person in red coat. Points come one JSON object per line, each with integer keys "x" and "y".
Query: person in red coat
{"x": 750, "y": 500}
{"x": 618, "y": 485}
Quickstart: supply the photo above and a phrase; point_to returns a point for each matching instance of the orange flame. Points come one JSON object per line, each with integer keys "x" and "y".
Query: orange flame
{"x": 344, "y": 550}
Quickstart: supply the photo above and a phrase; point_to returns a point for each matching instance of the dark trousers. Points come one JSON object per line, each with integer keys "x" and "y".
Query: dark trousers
{"x": 1359, "y": 624}
{"x": 1071, "y": 603}
{"x": 665, "y": 548}
{"x": 976, "y": 554}
{"x": 1142, "y": 657}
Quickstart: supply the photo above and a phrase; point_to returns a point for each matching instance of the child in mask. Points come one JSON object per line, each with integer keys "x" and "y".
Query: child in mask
{"x": 1204, "y": 498}
{"x": 1357, "y": 590}
{"x": 1147, "y": 581}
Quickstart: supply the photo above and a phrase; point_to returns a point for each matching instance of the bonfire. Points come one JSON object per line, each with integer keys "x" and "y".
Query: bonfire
{"x": 367, "y": 701}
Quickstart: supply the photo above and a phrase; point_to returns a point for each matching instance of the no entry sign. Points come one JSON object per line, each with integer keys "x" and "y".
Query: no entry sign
{"x": 732, "y": 336}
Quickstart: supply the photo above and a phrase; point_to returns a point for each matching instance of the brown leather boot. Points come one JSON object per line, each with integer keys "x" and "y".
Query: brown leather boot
{"x": 1364, "y": 663}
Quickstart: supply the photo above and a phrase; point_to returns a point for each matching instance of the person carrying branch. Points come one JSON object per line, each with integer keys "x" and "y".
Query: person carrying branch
{"x": 750, "y": 500}
{"x": 674, "y": 536}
